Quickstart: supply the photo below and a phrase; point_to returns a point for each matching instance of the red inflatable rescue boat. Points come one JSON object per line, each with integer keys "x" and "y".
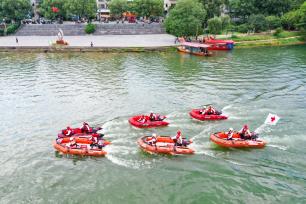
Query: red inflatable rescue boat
{"x": 163, "y": 145}
{"x": 141, "y": 121}
{"x": 79, "y": 132}
{"x": 195, "y": 113}
{"x": 84, "y": 146}
{"x": 220, "y": 138}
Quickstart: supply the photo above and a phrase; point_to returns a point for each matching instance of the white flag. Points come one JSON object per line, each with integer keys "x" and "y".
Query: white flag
{"x": 272, "y": 119}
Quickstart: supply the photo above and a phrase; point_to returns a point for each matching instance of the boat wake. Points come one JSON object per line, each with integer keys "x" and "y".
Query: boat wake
{"x": 284, "y": 148}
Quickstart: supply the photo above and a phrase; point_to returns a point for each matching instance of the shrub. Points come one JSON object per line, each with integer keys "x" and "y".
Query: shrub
{"x": 12, "y": 28}
{"x": 90, "y": 28}
{"x": 234, "y": 36}
{"x": 278, "y": 31}
{"x": 226, "y": 20}
{"x": 273, "y": 22}
{"x": 1, "y": 32}
{"x": 290, "y": 20}
{"x": 257, "y": 22}
{"x": 215, "y": 25}
{"x": 243, "y": 28}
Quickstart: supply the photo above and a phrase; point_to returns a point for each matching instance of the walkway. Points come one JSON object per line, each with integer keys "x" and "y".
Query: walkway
{"x": 106, "y": 41}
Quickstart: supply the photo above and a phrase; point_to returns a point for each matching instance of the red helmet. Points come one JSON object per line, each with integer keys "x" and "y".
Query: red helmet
{"x": 245, "y": 127}
{"x": 179, "y": 132}
{"x": 68, "y": 128}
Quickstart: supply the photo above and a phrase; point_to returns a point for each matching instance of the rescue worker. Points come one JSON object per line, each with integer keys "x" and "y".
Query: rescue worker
{"x": 245, "y": 133}
{"x": 230, "y": 134}
{"x": 142, "y": 119}
{"x": 153, "y": 139}
{"x": 68, "y": 131}
{"x": 152, "y": 116}
{"x": 86, "y": 128}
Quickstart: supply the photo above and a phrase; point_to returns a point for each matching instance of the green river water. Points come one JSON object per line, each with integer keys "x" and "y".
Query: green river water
{"x": 43, "y": 93}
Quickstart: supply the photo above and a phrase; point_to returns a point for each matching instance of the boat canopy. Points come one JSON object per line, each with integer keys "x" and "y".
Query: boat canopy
{"x": 197, "y": 45}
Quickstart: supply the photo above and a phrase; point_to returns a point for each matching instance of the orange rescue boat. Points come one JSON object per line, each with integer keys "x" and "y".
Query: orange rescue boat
{"x": 84, "y": 146}
{"x": 220, "y": 138}
{"x": 164, "y": 145}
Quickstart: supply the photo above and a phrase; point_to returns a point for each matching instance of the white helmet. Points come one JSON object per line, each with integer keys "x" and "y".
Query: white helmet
{"x": 231, "y": 129}
{"x": 154, "y": 135}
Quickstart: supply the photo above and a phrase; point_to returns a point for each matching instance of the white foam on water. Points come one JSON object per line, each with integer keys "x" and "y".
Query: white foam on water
{"x": 226, "y": 107}
{"x": 284, "y": 148}
{"x": 261, "y": 128}
{"x": 176, "y": 114}
{"x": 236, "y": 163}
{"x": 134, "y": 164}
{"x": 117, "y": 122}
{"x": 233, "y": 117}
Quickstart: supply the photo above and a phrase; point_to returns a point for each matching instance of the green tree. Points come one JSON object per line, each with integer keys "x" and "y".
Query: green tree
{"x": 225, "y": 20}
{"x": 81, "y": 8}
{"x": 214, "y": 25}
{"x": 16, "y": 10}
{"x": 45, "y": 8}
{"x": 118, "y": 7}
{"x": 186, "y": 18}
{"x": 273, "y": 7}
{"x": 148, "y": 8}
{"x": 213, "y": 7}
{"x": 242, "y": 9}
{"x": 291, "y": 19}
{"x": 273, "y": 22}
{"x": 257, "y": 23}
{"x": 302, "y": 21}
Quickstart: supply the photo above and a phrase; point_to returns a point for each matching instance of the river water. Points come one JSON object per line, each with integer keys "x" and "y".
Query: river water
{"x": 43, "y": 93}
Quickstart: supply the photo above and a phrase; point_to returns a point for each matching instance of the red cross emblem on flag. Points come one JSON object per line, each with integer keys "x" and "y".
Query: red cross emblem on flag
{"x": 272, "y": 119}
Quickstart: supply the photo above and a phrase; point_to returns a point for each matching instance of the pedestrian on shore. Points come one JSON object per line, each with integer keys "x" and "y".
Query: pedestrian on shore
{"x": 16, "y": 40}
{"x": 91, "y": 44}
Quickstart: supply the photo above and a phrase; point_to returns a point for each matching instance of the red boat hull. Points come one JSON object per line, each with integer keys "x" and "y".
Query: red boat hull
{"x": 195, "y": 113}
{"x": 148, "y": 124}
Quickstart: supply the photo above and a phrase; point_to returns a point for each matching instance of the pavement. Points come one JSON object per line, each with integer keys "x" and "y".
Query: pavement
{"x": 107, "y": 41}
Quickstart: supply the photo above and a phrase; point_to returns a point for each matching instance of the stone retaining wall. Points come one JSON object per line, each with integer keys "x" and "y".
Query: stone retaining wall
{"x": 101, "y": 29}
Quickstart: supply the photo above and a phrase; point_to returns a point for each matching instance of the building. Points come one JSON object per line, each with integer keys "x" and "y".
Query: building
{"x": 103, "y": 13}
{"x": 168, "y": 4}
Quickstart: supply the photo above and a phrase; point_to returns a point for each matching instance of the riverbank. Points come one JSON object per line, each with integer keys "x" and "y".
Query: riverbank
{"x": 88, "y": 43}
{"x": 267, "y": 39}
{"x": 129, "y": 43}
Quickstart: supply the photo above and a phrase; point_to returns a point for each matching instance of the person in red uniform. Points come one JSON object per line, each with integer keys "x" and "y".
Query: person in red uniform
{"x": 86, "y": 128}
{"x": 152, "y": 116}
{"x": 177, "y": 139}
{"x": 245, "y": 133}
{"x": 68, "y": 131}
{"x": 142, "y": 119}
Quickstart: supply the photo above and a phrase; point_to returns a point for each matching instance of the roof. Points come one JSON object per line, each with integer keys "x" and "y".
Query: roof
{"x": 198, "y": 45}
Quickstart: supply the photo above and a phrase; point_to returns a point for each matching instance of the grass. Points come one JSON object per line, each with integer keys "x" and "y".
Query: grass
{"x": 272, "y": 42}
{"x": 268, "y": 39}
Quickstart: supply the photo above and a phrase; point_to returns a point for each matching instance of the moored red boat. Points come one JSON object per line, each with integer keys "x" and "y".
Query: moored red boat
{"x": 143, "y": 121}
{"x": 216, "y": 44}
{"x": 220, "y": 138}
{"x": 80, "y": 146}
{"x": 163, "y": 145}
{"x": 196, "y": 113}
